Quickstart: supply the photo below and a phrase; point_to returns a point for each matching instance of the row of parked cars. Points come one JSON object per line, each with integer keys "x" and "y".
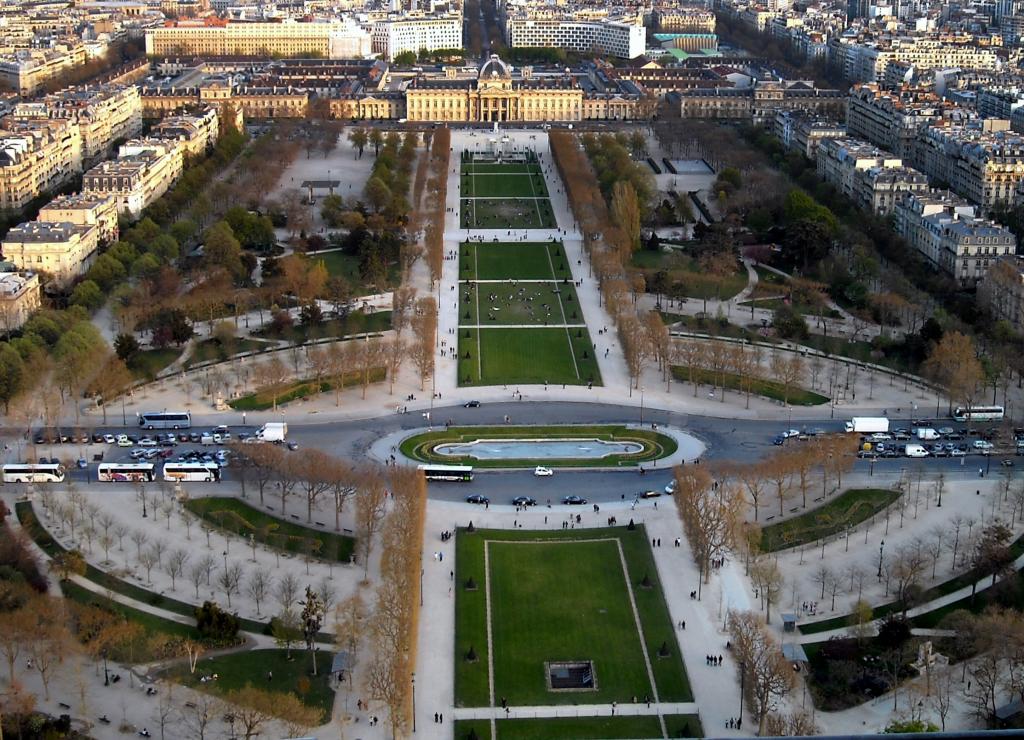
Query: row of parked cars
{"x": 476, "y": 498}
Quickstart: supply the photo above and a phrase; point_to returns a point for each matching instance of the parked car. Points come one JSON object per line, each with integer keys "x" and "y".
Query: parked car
{"x": 524, "y": 501}
{"x": 472, "y": 404}
{"x": 779, "y": 439}
{"x": 124, "y": 441}
{"x": 476, "y": 498}
{"x": 574, "y": 500}
{"x": 147, "y": 442}
{"x": 110, "y": 439}
{"x": 982, "y": 444}
{"x": 541, "y": 472}
{"x": 957, "y": 452}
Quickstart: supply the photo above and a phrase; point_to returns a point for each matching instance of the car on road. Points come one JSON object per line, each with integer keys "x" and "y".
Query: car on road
{"x": 109, "y": 439}
{"x": 867, "y": 455}
{"x": 946, "y": 431}
{"x": 124, "y": 441}
{"x": 293, "y": 446}
{"x": 880, "y": 436}
{"x": 649, "y": 494}
{"x": 982, "y": 444}
{"x": 476, "y": 498}
{"x": 1007, "y": 463}
{"x": 957, "y": 452}
{"x": 471, "y": 404}
{"x": 524, "y": 501}
{"x": 670, "y": 488}
{"x": 574, "y": 500}
{"x": 541, "y": 472}
{"x": 791, "y": 433}
{"x": 779, "y": 439}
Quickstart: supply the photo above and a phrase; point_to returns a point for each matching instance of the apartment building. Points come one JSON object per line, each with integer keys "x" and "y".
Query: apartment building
{"x": 804, "y": 133}
{"x": 218, "y": 38}
{"x": 839, "y": 161}
{"x": 879, "y": 189}
{"x": 142, "y": 172}
{"x": 1001, "y": 291}
{"x": 85, "y": 209}
{"x": 394, "y": 36}
{"x": 27, "y": 70}
{"x": 197, "y": 133}
{"x": 684, "y": 20}
{"x": 62, "y": 250}
{"x": 891, "y": 119}
{"x": 36, "y": 157}
{"x": 103, "y": 115}
{"x": 945, "y": 229}
{"x": 618, "y": 38}
{"x": 862, "y": 60}
{"x": 760, "y": 102}
{"x": 982, "y": 161}
{"x": 19, "y": 297}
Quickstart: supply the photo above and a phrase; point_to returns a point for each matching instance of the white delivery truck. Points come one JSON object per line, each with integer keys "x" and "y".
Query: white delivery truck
{"x": 927, "y": 434}
{"x": 272, "y": 431}
{"x": 915, "y": 451}
{"x": 868, "y": 424}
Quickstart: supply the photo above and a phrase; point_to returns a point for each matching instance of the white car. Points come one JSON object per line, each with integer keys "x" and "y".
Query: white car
{"x": 147, "y": 442}
{"x": 981, "y": 444}
{"x": 543, "y": 472}
{"x": 791, "y": 433}
{"x": 109, "y": 439}
{"x": 670, "y": 489}
{"x": 123, "y": 441}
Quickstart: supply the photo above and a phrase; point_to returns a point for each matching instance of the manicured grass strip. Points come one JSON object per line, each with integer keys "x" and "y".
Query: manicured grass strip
{"x": 680, "y": 268}
{"x": 766, "y": 388}
{"x": 527, "y": 355}
{"x": 523, "y": 305}
{"x": 238, "y": 517}
{"x": 593, "y": 728}
{"x": 235, "y": 670}
{"x": 147, "y": 364}
{"x": 656, "y": 445}
{"x": 585, "y": 617}
{"x": 846, "y": 510}
{"x": 503, "y": 185}
{"x": 263, "y": 400}
{"x": 353, "y": 324}
{"x": 512, "y": 261}
{"x": 30, "y": 523}
{"x": 500, "y": 168}
{"x": 507, "y": 213}
{"x": 932, "y": 618}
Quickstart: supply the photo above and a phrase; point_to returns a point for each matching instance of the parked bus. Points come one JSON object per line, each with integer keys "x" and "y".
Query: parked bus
{"x": 447, "y": 472}
{"x": 125, "y": 472}
{"x": 979, "y": 413}
{"x": 166, "y": 420}
{"x": 30, "y": 473}
{"x": 191, "y": 471}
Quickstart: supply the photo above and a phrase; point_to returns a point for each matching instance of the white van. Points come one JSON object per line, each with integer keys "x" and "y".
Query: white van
{"x": 206, "y": 439}
{"x": 915, "y": 451}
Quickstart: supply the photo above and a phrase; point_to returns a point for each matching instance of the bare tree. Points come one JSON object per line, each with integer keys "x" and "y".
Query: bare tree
{"x": 769, "y": 676}
{"x": 258, "y": 585}
{"x": 230, "y": 579}
{"x": 286, "y": 591}
{"x": 200, "y": 713}
{"x": 371, "y": 504}
{"x": 176, "y": 566}
{"x": 710, "y": 517}
{"x": 197, "y": 574}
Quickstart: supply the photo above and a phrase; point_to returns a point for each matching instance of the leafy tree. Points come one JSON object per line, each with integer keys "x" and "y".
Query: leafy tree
{"x": 123, "y": 252}
{"x": 88, "y": 295}
{"x": 172, "y": 325}
{"x": 910, "y": 725}
{"x": 405, "y": 59}
{"x": 626, "y": 211}
{"x": 377, "y": 193}
{"x": 146, "y": 266}
{"x": 215, "y": 623}
{"x": 359, "y": 139}
{"x": 69, "y": 563}
{"x": 183, "y": 230}
{"x": 106, "y": 272}
{"x": 126, "y": 346}
{"x": 789, "y": 324}
{"x": 222, "y": 249}
{"x": 166, "y": 247}
{"x": 12, "y": 374}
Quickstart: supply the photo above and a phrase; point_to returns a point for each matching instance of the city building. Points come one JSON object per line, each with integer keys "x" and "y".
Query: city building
{"x": 142, "y": 172}
{"x": 36, "y": 157}
{"x": 759, "y": 102}
{"x": 27, "y": 70}
{"x": 218, "y": 38}
{"x": 840, "y": 160}
{"x": 85, "y": 209}
{"x": 20, "y": 295}
{"x": 197, "y": 133}
{"x": 684, "y": 20}
{"x": 61, "y": 250}
{"x": 618, "y": 38}
{"x": 804, "y": 133}
{"x": 394, "y": 36}
{"x": 952, "y": 238}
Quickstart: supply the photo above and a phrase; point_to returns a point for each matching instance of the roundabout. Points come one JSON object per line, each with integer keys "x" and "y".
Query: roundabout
{"x": 562, "y": 446}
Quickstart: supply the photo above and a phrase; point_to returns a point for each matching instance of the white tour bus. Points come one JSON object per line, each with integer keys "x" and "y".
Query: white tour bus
{"x": 447, "y": 472}
{"x": 31, "y": 473}
{"x": 979, "y": 413}
{"x": 125, "y": 472}
{"x": 191, "y": 471}
{"x": 165, "y": 420}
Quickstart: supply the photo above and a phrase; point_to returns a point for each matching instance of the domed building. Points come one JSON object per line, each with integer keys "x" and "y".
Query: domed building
{"x": 494, "y": 94}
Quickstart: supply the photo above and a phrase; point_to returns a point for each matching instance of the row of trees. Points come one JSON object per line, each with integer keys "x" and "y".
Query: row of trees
{"x": 433, "y": 205}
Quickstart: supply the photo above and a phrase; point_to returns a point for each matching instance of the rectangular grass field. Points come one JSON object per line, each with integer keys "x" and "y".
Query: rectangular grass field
{"x": 513, "y": 261}
{"x": 526, "y": 303}
{"x": 507, "y": 213}
{"x": 503, "y": 185}
{"x": 527, "y": 355}
{"x": 562, "y": 595}
{"x": 582, "y": 728}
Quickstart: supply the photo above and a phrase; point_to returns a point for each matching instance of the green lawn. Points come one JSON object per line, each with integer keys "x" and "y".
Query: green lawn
{"x": 236, "y": 670}
{"x": 210, "y": 349}
{"x": 263, "y": 400}
{"x": 338, "y": 262}
{"x": 766, "y": 388}
{"x": 656, "y": 446}
{"x": 848, "y": 509}
{"x": 507, "y": 213}
{"x": 513, "y": 261}
{"x": 238, "y": 517}
{"x": 539, "y": 614}
{"x": 503, "y": 185}
{"x": 147, "y": 364}
{"x": 528, "y": 304}
{"x": 582, "y": 728}
{"x": 498, "y": 168}
{"x": 536, "y": 355}
{"x": 680, "y": 268}
{"x": 356, "y": 322}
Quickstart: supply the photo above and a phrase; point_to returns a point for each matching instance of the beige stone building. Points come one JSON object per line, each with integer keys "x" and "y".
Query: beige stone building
{"x": 760, "y": 102}
{"x": 19, "y": 297}
{"x": 196, "y": 132}
{"x": 62, "y": 250}
{"x": 36, "y": 157}
{"x": 143, "y": 171}
{"x": 219, "y": 38}
{"x": 27, "y": 70}
{"x": 1002, "y": 291}
{"x": 85, "y": 209}
{"x": 251, "y": 102}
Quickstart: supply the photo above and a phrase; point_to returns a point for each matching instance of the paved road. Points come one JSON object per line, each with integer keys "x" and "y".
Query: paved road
{"x": 726, "y": 439}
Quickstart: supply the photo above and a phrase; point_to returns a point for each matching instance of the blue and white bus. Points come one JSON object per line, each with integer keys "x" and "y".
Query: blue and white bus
{"x": 165, "y": 420}
{"x": 447, "y": 472}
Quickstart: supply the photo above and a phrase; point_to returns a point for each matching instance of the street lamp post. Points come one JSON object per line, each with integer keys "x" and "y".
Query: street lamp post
{"x": 641, "y": 405}
{"x": 225, "y": 554}
{"x": 414, "y": 701}
{"x": 142, "y": 492}
{"x": 743, "y": 678}
{"x": 106, "y": 674}
{"x": 881, "y": 547}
